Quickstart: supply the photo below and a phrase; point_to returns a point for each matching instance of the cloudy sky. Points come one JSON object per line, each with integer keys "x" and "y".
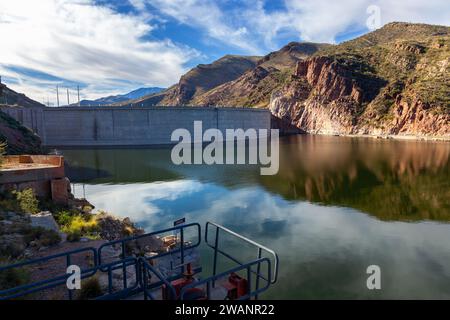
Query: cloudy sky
{"x": 111, "y": 47}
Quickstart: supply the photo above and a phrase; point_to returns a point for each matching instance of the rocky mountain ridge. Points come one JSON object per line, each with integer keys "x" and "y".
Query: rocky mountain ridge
{"x": 397, "y": 87}
{"x": 393, "y": 81}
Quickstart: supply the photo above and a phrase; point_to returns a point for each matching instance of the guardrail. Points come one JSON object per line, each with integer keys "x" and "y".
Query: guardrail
{"x": 126, "y": 290}
{"x": 183, "y": 247}
{"x": 146, "y": 267}
{"x": 143, "y": 268}
{"x": 260, "y": 249}
{"x": 26, "y": 289}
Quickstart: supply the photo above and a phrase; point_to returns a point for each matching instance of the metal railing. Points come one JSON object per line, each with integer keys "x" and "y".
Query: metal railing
{"x": 146, "y": 268}
{"x": 260, "y": 249}
{"x": 127, "y": 290}
{"x": 143, "y": 268}
{"x": 182, "y": 229}
{"x": 36, "y": 286}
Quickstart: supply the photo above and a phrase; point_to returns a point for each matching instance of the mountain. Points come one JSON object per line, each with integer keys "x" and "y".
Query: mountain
{"x": 10, "y": 97}
{"x": 254, "y": 87}
{"x": 110, "y": 100}
{"x": 19, "y": 139}
{"x": 201, "y": 79}
{"x": 393, "y": 81}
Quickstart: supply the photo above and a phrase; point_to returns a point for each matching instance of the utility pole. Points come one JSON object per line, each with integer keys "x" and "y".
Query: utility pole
{"x": 78, "y": 89}
{"x": 57, "y": 96}
{"x": 68, "y": 102}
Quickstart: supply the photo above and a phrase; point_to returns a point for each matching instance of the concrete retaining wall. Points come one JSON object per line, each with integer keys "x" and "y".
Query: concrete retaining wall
{"x": 107, "y": 126}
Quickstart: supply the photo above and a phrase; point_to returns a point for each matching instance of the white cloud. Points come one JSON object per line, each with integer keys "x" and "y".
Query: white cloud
{"x": 252, "y": 28}
{"x": 81, "y": 42}
{"x": 86, "y": 43}
{"x": 207, "y": 15}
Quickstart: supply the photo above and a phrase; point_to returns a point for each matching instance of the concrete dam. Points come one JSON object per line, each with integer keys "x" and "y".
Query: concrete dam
{"x": 122, "y": 126}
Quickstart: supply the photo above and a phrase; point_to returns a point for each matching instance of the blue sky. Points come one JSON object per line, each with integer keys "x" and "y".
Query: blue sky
{"x": 111, "y": 47}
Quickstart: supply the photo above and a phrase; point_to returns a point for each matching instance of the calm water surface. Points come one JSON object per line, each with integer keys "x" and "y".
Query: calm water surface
{"x": 336, "y": 206}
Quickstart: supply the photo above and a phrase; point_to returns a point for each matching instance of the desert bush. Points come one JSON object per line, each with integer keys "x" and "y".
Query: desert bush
{"x": 27, "y": 200}
{"x": 43, "y": 236}
{"x": 90, "y": 289}
{"x": 12, "y": 277}
{"x": 73, "y": 236}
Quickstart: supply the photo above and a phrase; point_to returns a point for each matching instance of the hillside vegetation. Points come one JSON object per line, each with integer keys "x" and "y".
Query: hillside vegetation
{"x": 393, "y": 81}
{"x": 17, "y": 138}
{"x": 200, "y": 79}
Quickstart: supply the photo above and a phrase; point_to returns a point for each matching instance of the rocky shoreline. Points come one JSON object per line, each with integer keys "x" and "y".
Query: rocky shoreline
{"x": 390, "y": 136}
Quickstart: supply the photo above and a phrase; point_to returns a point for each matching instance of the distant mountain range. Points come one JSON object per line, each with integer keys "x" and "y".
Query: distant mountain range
{"x": 110, "y": 100}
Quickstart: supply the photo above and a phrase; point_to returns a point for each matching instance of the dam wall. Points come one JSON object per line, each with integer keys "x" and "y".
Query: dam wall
{"x": 122, "y": 126}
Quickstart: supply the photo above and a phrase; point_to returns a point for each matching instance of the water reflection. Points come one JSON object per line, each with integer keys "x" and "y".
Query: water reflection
{"x": 337, "y": 206}
{"x": 324, "y": 251}
{"x": 392, "y": 180}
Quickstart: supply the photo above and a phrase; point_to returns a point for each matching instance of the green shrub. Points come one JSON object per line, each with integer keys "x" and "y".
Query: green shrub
{"x": 12, "y": 250}
{"x": 64, "y": 217}
{"x": 90, "y": 289}
{"x": 82, "y": 225}
{"x": 12, "y": 277}
{"x": 27, "y": 200}
{"x": 43, "y": 236}
{"x": 73, "y": 236}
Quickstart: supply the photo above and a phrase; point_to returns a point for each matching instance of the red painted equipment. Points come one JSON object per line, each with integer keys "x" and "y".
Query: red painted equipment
{"x": 236, "y": 286}
{"x": 179, "y": 284}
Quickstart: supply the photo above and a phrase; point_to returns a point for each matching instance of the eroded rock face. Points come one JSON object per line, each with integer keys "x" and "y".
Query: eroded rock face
{"x": 411, "y": 118}
{"x": 319, "y": 99}
{"x": 328, "y": 98}
{"x": 113, "y": 228}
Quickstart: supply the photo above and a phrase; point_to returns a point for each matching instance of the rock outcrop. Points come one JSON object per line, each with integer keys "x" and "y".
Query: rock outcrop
{"x": 393, "y": 81}
{"x": 399, "y": 87}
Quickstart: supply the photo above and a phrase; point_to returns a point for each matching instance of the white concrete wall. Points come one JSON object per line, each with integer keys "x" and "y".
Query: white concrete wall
{"x": 103, "y": 126}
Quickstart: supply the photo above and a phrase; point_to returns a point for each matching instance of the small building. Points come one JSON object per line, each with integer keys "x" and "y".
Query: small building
{"x": 43, "y": 173}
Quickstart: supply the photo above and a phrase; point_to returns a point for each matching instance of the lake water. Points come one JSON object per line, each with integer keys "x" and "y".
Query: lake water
{"x": 336, "y": 206}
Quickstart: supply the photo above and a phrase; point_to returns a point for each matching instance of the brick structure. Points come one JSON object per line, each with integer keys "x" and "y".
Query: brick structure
{"x": 44, "y": 174}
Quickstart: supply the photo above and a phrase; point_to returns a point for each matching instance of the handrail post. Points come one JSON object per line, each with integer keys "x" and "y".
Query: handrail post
{"x": 215, "y": 256}
{"x": 182, "y": 248}
{"x": 67, "y": 265}
{"x": 258, "y": 271}
{"x": 249, "y": 281}
{"x": 144, "y": 274}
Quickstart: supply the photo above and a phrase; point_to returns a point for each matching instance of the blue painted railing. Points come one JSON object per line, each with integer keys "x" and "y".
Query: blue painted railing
{"x": 143, "y": 268}
{"x": 260, "y": 250}
{"x": 36, "y": 286}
